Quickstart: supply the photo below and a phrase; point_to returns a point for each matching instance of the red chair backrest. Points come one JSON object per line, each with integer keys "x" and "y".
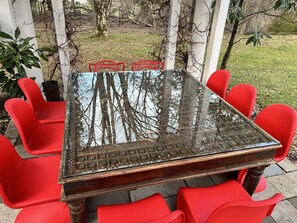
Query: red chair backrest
{"x": 9, "y": 160}
{"x": 147, "y": 64}
{"x": 135, "y": 212}
{"x": 106, "y": 65}
{"x": 280, "y": 121}
{"x": 23, "y": 117}
{"x": 243, "y": 98}
{"x": 218, "y": 82}
{"x": 244, "y": 211}
{"x": 32, "y": 92}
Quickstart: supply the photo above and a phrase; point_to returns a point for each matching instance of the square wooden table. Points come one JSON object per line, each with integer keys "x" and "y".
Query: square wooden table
{"x": 124, "y": 130}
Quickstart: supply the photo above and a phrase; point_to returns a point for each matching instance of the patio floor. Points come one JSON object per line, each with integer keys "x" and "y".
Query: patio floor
{"x": 281, "y": 177}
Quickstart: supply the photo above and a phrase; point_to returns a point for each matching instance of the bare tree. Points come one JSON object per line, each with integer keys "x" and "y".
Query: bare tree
{"x": 100, "y": 9}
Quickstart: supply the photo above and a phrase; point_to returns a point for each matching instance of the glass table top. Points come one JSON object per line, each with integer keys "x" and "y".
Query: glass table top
{"x": 117, "y": 120}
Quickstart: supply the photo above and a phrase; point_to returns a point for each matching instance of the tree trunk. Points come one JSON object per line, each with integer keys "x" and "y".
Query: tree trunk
{"x": 101, "y": 11}
{"x": 231, "y": 41}
{"x": 93, "y": 3}
{"x": 72, "y": 5}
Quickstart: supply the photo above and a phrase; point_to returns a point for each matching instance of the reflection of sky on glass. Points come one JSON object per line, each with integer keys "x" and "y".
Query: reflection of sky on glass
{"x": 107, "y": 115}
{"x": 142, "y": 105}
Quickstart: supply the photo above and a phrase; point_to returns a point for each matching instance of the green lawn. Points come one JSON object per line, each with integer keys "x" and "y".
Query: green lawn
{"x": 126, "y": 45}
{"x": 271, "y": 68}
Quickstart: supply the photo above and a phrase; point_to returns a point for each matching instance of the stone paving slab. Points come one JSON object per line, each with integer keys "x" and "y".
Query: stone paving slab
{"x": 199, "y": 182}
{"x": 171, "y": 201}
{"x": 91, "y": 217}
{"x": 166, "y": 189}
{"x": 284, "y": 212}
{"x": 220, "y": 178}
{"x": 7, "y": 215}
{"x": 268, "y": 219}
{"x": 287, "y": 165}
{"x": 120, "y": 197}
{"x": 285, "y": 183}
{"x": 269, "y": 191}
{"x": 293, "y": 201}
{"x": 11, "y": 131}
{"x": 273, "y": 170}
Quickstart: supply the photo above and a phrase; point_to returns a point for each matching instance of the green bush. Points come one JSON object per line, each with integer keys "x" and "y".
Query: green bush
{"x": 280, "y": 25}
{"x": 16, "y": 53}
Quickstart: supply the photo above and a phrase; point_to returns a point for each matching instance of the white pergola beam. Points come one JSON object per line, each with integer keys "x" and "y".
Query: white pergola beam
{"x": 172, "y": 34}
{"x": 215, "y": 38}
{"x": 60, "y": 27}
{"x": 199, "y": 38}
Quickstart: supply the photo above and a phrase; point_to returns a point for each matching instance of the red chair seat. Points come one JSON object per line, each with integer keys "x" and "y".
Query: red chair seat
{"x": 46, "y": 139}
{"x": 227, "y": 202}
{"x": 54, "y": 212}
{"x": 149, "y": 209}
{"x": 45, "y": 112}
{"x": 51, "y": 112}
{"x": 37, "y": 138}
{"x": 26, "y": 182}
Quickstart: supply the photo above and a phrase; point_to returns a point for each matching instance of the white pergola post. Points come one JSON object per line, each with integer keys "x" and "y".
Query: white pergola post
{"x": 19, "y": 15}
{"x": 200, "y": 31}
{"x": 60, "y": 27}
{"x": 7, "y": 19}
{"x": 172, "y": 34}
{"x": 215, "y": 38}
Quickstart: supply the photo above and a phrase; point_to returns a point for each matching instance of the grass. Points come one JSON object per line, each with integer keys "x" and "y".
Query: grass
{"x": 271, "y": 68}
{"x": 126, "y": 45}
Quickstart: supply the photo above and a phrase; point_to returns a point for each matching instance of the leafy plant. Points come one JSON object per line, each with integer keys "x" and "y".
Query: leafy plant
{"x": 16, "y": 53}
{"x": 256, "y": 38}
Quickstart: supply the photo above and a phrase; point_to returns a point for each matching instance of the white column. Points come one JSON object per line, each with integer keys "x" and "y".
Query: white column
{"x": 172, "y": 34}
{"x": 200, "y": 31}
{"x": 19, "y": 15}
{"x": 60, "y": 28}
{"x": 215, "y": 38}
{"x": 7, "y": 19}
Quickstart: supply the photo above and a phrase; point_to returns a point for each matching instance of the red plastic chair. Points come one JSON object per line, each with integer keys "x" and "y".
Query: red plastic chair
{"x": 147, "y": 64}
{"x": 227, "y": 202}
{"x": 57, "y": 212}
{"x": 27, "y": 182}
{"x": 106, "y": 65}
{"x": 243, "y": 98}
{"x": 153, "y": 209}
{"x": 37, "y": 138}
{"x": 45, "y": 112}
{"x": 280, "y": 121}
{"x": 218, "y": 82}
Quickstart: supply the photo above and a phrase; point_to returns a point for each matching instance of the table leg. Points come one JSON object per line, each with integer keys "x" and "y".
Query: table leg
{"x": 77, "y": 211}
{"x": 252, "y": 178}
